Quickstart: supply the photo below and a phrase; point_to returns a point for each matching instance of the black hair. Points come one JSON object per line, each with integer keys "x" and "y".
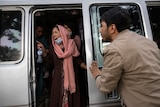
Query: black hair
{"x": 39, "y": 26}
{"x": 118, "y": 16}
{"x": 73, "y": 27}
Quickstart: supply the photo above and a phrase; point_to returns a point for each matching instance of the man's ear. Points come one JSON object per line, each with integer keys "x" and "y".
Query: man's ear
{"x": 112, "y": 28}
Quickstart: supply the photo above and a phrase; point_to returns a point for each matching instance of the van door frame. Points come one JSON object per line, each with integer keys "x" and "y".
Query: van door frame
{"x": 94, "y": 93}
{"x": 35, "y": 9}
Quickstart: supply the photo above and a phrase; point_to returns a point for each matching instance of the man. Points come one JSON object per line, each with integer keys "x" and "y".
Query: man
{"x": 41, "y": 66}
{"x": 131, "y": 62}
{"x": 41, "y": 40}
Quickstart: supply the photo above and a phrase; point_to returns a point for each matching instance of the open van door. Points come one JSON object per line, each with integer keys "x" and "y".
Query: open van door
{"x": 92, "y": 11}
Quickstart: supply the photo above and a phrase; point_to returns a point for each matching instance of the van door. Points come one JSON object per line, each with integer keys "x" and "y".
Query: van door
{"x": 47, "y": 17}
{"x": 13, "y": 62}
{"x": 95, "y": 45}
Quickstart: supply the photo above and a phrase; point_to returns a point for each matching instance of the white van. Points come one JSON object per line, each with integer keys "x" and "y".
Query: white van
{"x": 18, "y": 19}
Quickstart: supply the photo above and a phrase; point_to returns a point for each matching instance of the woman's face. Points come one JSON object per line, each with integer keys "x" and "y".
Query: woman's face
{"x": 55, "y": 33}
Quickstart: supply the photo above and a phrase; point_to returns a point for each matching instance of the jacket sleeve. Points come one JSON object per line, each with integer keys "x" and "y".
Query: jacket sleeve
{"x": 111, "y": 71}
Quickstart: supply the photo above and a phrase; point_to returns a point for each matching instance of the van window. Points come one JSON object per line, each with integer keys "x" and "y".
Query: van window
{"x": 96, "y": 11}
{"x": 155, "y": 22}
{"x": 10, "y": 35}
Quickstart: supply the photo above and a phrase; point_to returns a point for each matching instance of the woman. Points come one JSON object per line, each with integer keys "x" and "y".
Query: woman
{"x": 64, "y": 57}
{"x": 71, "y": 27}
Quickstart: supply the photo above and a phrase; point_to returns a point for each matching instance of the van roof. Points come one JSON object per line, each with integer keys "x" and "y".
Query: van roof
{"x": 39, "y": 2}
{"x": 49, "y": 2}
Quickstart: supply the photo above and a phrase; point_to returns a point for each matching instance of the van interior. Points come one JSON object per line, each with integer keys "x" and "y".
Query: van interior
{"x": 48, "y": 18}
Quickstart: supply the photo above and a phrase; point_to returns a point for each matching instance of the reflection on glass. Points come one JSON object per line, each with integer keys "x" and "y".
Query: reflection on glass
{"x": 155, "y": 22}
{"x": 10, "y": 36}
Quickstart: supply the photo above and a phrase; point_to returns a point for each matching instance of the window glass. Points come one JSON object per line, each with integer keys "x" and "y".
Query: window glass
{"x": 98, "y": 45}
{"x": 155, "y": 22}
{"x": 97, "y": 10}
{"x": 10, "y": 35}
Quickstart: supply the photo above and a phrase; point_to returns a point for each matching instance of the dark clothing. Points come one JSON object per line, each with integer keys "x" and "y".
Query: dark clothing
{"x": 41, "y": 68}
{"x": 57, "y": 85}
{"x": 39, "y": 78}
{"x": 43, "y": 40}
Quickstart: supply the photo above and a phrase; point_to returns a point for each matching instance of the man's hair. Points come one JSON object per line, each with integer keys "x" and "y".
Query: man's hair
{"x": 118, "y": 16}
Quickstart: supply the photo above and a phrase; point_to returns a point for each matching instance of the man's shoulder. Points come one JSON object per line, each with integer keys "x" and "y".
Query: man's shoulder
{"x": 110, "y": 49}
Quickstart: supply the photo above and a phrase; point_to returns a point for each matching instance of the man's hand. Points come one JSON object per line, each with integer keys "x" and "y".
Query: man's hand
{"x": 95, "y": 70}
{"x": 40, "y": 45}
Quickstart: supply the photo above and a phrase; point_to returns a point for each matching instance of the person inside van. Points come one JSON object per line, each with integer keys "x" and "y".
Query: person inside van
{"x": 41, "y": 39}
{"x": 73, "y": 31}
{"x": 63, "y": 55}
{"x": 131, "y": 62}
{"x": 41, "y": 66}
{"x": 73, "y": 34}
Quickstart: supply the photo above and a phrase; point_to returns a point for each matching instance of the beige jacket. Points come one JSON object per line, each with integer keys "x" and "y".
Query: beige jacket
{"x": 132, "y": 64}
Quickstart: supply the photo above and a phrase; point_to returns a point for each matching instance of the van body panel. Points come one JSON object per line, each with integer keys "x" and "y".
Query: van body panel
{"x": 14, "y": 89}
{"x": 17, "y": 79}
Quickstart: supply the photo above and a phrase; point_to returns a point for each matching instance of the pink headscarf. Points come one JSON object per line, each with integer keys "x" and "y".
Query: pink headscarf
{"x": 70, "y": 50}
